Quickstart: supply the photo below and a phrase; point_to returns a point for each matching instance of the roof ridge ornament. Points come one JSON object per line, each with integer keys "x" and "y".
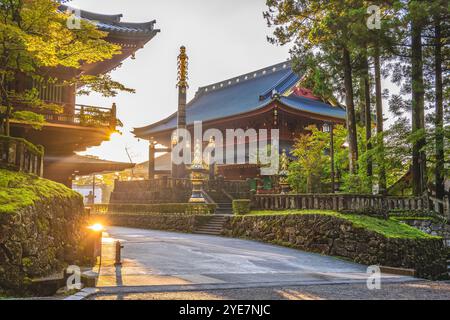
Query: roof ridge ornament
{"x": 275, "y": 94}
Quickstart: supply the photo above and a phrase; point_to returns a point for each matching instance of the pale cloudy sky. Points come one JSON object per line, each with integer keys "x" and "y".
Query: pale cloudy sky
{"x": 224, "y": 38}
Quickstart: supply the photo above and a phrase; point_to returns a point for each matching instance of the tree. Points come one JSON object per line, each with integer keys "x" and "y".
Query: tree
{"x": 313, "y": 25}
{"x": 439, "y": 53}
{"x": 311, "y": 165}
{"x": 422, "y": 65}
{"x": 417, "y": 13}
{"x": 34, "y": 41}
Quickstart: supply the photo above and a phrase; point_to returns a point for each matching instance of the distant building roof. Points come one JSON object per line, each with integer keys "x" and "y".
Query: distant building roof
{"x": 113, "y": 23}
{"x": 243, "y": 94}
{"x": 87, "y": 165}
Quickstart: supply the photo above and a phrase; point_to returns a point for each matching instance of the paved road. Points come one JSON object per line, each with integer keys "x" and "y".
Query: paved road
{"x": 422, "y": 290}
{"x": 175, "y": 261}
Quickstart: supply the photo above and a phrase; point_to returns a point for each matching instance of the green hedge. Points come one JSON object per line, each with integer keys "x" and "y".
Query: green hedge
{"x": 241, "y": 206}
{"x": 165, "y": 208}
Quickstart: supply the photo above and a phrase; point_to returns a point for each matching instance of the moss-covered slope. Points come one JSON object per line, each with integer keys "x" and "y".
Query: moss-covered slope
{"x": 388, "y": 228}
{"x": 20, "y": 190}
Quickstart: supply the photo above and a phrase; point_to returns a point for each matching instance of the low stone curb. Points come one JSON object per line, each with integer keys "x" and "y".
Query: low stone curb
{"x": 82, "y": 295}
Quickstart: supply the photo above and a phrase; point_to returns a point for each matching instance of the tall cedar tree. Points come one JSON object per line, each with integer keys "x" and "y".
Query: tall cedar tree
{"x": 314, "y": 24}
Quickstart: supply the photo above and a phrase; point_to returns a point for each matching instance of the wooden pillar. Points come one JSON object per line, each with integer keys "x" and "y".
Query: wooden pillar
{"x": 151, "y": 160}
{"x": 20, "y": 155}
{"x": 113, "y": 119}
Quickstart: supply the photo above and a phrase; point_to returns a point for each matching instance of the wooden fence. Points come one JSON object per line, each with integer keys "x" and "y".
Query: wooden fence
{"x": 20, "y": 155}
{"x": 340, "y": 202}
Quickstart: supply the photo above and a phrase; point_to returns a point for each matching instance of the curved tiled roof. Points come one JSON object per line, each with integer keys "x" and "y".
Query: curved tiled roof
{"x": 314, "y": 107}
{"x": 113, "y": 23}
{"x": 244, "y": 94}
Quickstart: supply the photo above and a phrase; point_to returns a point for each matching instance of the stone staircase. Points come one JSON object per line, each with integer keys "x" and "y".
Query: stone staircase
{"x": 224, "y": 204}
{"x": 213, "y": 227}
{"x": 224, "y": 208}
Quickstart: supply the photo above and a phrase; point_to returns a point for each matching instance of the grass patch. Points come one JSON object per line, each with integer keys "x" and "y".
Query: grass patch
{"x": 388, "y": 228}
{"x": 19, "y": 190}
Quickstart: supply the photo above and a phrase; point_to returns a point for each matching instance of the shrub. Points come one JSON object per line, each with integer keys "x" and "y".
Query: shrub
{"x": 241, "y": 206}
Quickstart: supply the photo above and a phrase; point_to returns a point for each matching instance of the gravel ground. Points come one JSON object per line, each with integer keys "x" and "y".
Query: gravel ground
{"x": 402, "y": 291}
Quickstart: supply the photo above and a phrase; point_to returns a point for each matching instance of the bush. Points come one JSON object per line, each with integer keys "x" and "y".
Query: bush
{"x": 165, "y": 208}
{"x": 241, "y": 206}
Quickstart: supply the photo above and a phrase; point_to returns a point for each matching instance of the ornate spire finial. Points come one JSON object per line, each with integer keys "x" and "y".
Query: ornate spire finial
{"x": 183, "y": 68}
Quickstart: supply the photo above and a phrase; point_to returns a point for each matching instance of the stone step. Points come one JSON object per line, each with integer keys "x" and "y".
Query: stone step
{"x": 215, "y": 223}
{"x": 211, "y": 228}
{"x": 209, "y": 233}
{"x": 219, "y": 219}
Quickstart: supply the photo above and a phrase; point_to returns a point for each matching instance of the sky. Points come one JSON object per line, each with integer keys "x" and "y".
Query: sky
{"x": 224, "y": 38}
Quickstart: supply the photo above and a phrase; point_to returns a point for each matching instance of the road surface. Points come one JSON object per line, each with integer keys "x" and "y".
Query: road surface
{"x": 156, "y": 260}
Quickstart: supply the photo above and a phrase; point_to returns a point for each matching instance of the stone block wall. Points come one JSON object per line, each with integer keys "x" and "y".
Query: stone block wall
{"x": 164, "y": 222}
{"x": 41, "y": 240}
{"x": 337, "y": 237}
{"x": 431, "y": 227}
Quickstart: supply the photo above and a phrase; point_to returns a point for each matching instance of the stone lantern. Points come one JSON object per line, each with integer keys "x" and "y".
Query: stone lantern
{"x": 198, "y": 171}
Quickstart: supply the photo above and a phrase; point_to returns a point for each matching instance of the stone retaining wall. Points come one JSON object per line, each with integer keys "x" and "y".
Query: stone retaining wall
{"x": 165, "y": 222}
{"x": 337, "y": 237}
{"x": 431, "y": 227}
{"x": 40, "y": 240}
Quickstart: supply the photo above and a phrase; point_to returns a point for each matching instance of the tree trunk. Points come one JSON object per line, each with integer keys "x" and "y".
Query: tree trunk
{"x": 7, "y": 128}
{"x": 440, "y": 161}
{"x": 367, "y": 115}
{"x": 351, "y": 117}
{"x": 380, "y": 123}
{"x": 418, "y": 113}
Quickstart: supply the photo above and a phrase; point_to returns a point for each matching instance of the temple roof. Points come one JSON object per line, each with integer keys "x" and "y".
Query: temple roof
{"x": 243, "y": 94}
{"x": 113, "y": 23}
{"x": 85, "y": 165}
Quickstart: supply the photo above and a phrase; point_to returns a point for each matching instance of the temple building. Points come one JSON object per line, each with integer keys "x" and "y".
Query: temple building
{"x": 79, "y": 126}
{"x": 269, "y": 98}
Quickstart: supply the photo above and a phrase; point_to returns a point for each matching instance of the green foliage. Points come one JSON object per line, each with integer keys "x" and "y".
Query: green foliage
{"x": 34, "y": 119}
{"x": 102, "y": 84}
{"x": 311, "y": 164}
{"x": 387, "y": 228}
{"x": 310, "y": 172}
{"x": 35, "y": 39}
{"x": 241, "y": 206}
{"x": 20, "y": 190}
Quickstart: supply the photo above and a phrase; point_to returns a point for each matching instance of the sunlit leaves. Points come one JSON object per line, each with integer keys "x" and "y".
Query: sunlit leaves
{"x": 35, "y": 39}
